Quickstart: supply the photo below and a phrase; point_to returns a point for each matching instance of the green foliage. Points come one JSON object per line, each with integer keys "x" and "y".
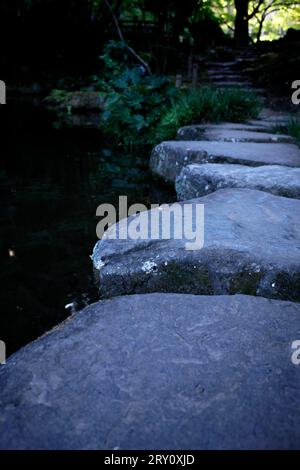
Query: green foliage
{"x": 143, "y": 110}
{"x": 294, "y": 128}
{"x": 133, "y": 106}
{"x": 208, "y": 105}
{"x": 275, "y": 17}
{"x": 56, "y": 96}
{"x": 115, "y": 57}
{"x": 133, "y": 100}
{"x": 148, "y": 110}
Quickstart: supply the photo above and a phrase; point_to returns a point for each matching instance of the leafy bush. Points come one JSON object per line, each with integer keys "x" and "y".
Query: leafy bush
{"x": 146, "y": 110}
{"x": 133, "y": 106}
{"x": 133, "y": 100}
{"x": 142, "y": 110}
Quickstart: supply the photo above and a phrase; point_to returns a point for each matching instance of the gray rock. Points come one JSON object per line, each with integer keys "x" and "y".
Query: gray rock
{"x": 271, "y": 115}
{"x": 217, "y": 70}
{"x": 222, "y": 65}
{"x": 158, "y": 371}
{"x": 246, "y": 84}
{"x": 224, "y": 75}
{"x": 272, "y": 122}
{"x": 224, "y": 134}
{"x": 251, "y": 246}
{"x": 168, "y": 158}
{"x": 197, "y": 131}
{"x": 199, "y": 180}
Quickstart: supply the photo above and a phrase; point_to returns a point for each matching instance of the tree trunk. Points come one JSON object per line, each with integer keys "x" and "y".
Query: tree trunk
{"x": 260, "y": 27}
{"x": 241, "y": 30}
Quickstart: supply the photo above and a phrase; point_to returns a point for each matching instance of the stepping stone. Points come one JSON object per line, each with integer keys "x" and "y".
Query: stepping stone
{"x": 221, "y": 133}
{"x": 233, "y": 84}
{"x": 221, "y": 72}
{"x": 221, "y": 64}
{"x": 158, "y": 371}
{"x": 269, "y": 124}
{"x": 224, "y": 71}
{"x": 196, "y": 131}
{"x": 229, "y": 84}
{"x": 271, "y": 115}
{"x": 251, "y": 246}
{"x": 199, "y": 180}
{"x": 229, "y": 77}
{"x": 168, "y": 158}
{"x": 224, "y": 77}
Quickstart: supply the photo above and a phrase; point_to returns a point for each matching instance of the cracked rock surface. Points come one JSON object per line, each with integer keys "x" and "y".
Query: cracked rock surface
{"x": 168, "y": 158}
{"x": 158, "y": 371}
{"x": 251, "y": 246}
{"x": 199, "y": 180}
{"x": 224, "y": 133}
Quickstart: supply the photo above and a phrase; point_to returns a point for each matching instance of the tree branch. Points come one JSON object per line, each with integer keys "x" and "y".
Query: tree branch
{"x": 119, "y": 31}
{"x": 255, "y": 10}
{"x": 275, "y": 4}
{"x": 277, "y": 7}
{"x": 228, "y": 25}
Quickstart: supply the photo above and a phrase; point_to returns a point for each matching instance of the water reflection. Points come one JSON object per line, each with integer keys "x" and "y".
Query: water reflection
{"x": 51, "y": 181}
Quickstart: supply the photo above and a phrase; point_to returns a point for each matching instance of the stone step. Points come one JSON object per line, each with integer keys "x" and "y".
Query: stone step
{"x": 247, "y": 59}
{"x": 228, "y": 77}
{"x": 225, "y": 76}
{"x": 225, "y": 134}
{"x": 233, "y": 84}
{"x": 270, "y": 124}
{"x": 197, "y": 129}
{"x": 216, "y": 64}
{"x": 199, "y": 180}
{"x": 168, "y": 158}
{"x": 274, "y": 116}
{"x": 251, "y": 246}
{"x": 249, "y": 88}
{"x": 223, "y": 71}
{"x": 158, "y": 371}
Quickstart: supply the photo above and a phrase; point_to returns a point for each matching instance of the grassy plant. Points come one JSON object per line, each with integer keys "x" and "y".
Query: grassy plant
{"x": 144, "y": 110}
{"x": 208, "y": 105}
{"x": 150, "y": 110}
{"x": 294, "y": 128}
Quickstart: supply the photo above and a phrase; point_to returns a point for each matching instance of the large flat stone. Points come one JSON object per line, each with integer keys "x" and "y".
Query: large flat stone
{"x": 158, "y": 371}
{"x": 168, "y": 158}
{"x": 221, "y": 74}
{"x": 271, "y": 122}
{"x": 199, "y": 180}
{"x": 251, "y": 246}
{"x": 224, "y": 134}
{"x": 197, "y": 131}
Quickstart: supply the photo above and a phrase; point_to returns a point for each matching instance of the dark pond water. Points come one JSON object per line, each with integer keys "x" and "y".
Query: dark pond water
{"x": 51, "y": 181}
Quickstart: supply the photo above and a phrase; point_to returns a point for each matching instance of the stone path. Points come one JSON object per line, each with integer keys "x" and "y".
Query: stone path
{"x": 158, "y": 371}
{"x": 199, "y": 180}
{"x": 228, "y": 74}
{"x": 224, "y": 134}
{"x": 164, "y": 369}
{"x": 251, "y": 246}
{"x": 169, "y": 158}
